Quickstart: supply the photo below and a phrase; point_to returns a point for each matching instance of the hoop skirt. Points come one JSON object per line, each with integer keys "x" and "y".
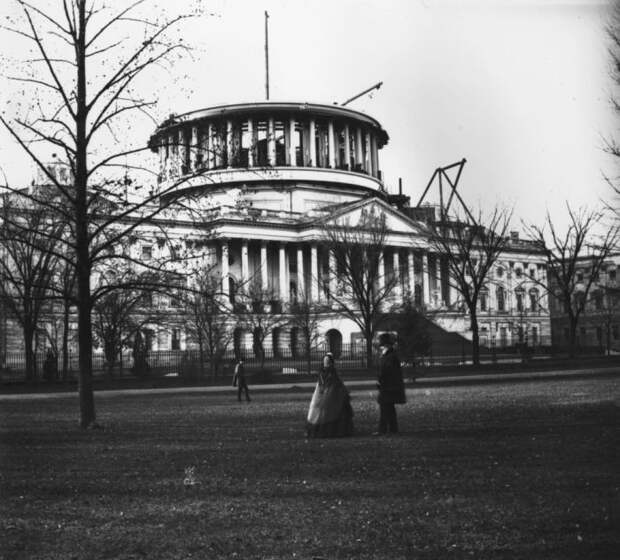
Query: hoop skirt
{"x": 330, "y": 413}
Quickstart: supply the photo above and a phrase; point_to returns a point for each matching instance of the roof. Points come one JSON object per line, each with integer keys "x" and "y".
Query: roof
{"x": 271, "y": 107}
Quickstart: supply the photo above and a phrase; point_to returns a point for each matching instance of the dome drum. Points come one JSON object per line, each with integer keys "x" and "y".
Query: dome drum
{"x": 270, "y": 135}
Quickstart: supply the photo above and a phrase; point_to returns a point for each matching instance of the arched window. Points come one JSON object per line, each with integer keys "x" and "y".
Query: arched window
{"x": 334, "y": 342}
{"x": 276, "y": 342}
{"x": 238, "y": 335}
{"x": 501, "y": 299}
{"x": 298, "y": 343}
{"x": 417, "y": 294}
{"x": 484, "y": 300}
{"x": 519, "y": 297}
{"x": 534, "y": 300}
{"x": 257, "y": 343}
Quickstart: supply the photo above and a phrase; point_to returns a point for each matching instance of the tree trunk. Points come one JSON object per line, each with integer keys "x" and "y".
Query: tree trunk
{"x": 201, "y": 358}
{"x": 29, "y": 351}
{"x": 368, "y": 351}
{"x": 572, "y": 336}
{"x": 475, "y": 338}
{"x": 82, "y": 242}
{"x": 65, "y": 341}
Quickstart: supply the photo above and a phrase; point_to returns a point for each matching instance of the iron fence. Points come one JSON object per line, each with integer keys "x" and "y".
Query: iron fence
{"x": 349, "y": 357}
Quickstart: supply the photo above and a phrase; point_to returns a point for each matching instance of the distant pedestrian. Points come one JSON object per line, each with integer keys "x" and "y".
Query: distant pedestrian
{"x": 50, "y": 366}
{"x": 390, "y": 384}
{"x": 240, "y": 382}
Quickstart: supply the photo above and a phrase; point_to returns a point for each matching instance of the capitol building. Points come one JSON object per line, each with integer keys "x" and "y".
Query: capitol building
{"x": 249, "y": 190}
{"x": 266, "y": 179}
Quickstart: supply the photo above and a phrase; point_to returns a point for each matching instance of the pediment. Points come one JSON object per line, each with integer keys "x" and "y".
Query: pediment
{"x": 358, "y": 213}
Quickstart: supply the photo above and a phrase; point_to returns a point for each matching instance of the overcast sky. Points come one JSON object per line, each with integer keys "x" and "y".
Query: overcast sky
{"x": 520, "y": 88}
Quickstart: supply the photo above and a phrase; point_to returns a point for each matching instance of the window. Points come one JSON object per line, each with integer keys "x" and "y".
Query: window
{"x": 598, "y": 300}
{"x": 532, "y": 273}
{"x": 483, "y": 301}
{"x": 176, "y": 340}
{"x": 500, "y": 271}
{"x": 501, "y": 303}
{"x": 518, "y": 272}
{"x": 580, "y": 277}
{"x": 147, "y": 252}
{"x": 534, "y": 335}
{"x": 612, "y": 274}
{"x": 503, "y": 339}
{"x": 519, "y": 301}
{"x": 533, "y": 300}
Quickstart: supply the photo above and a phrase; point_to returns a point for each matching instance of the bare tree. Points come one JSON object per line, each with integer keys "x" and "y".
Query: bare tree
{"x": 84, "y": 82}
{"x": 305, "y": 316}
{"x": 122, "y": 312}
{"x": 414, "y": 339}
{"x": 208, "y": 317}
{"x": 259, "y": 312}
{"x": 611, "y": 144}
{"x": 28, "y": 263}
{"x": 470, "y": 248}
{"x": 569, "y": 256}
{"x": 609, "y": 312}
{"x": 364, "y": 288}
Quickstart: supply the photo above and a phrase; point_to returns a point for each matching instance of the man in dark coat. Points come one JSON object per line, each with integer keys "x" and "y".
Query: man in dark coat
{"x": 240, "y": 382}
{"x": 390, "y": 384}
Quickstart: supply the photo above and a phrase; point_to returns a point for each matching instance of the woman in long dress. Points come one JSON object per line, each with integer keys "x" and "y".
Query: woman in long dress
{"x": 330, "y": 413}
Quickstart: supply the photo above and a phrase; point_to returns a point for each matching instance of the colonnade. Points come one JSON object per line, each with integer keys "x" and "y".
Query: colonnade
{"x": 287, "y": 270}
{"x": 272, "y": 141}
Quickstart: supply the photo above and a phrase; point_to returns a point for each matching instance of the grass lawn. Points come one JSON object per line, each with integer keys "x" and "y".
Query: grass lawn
{"x": 522, "y": 470}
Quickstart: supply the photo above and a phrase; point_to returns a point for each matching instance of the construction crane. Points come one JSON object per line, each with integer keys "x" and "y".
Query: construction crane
{"x": 441, "y": 176}
{"x": 376, "y": 86}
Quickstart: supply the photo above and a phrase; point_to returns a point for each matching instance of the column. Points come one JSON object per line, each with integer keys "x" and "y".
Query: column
{"x": 425, "y": 279}
{"x": 367, "y": 155}
{"x": 283, "y": 276}
{"x": 347, "y": 147}
{"x": 208, "y": 141}
{"x": 411, "y": 273}
{"x": 301, "y": 282}
{"x": 244, "y": 263}
{"x": 162, "y": 158}
{"x": 454, "y": 293}
{"x": 291, "y": 147}
{"x": 331, "y": 152}
{"x": 271, "y": 142}
{"x": 358, "y": 147}
{"x": 397, "y": 278}
{"x": 182, "y": 153}
{"x": 193, "y": 149}
{"x": 381, "y": 278}
{"x": 438, "y": 279}
{"x": 172, "y": 156}
{"x": 252, "y": 146}
{"x": 225, "y": 269}
{"x": 312, "y": 142}
{"x": 333, "y": 278}
{"x": 374, "y": 156}
{"x": 264, "y": 280}
{"x": 314, "y": 274}
{"x": 229, "y": 144}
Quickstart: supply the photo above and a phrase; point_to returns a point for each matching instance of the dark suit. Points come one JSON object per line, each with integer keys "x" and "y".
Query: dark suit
{"x": 391, "y": 390}
{"x": 240, "y": 382}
